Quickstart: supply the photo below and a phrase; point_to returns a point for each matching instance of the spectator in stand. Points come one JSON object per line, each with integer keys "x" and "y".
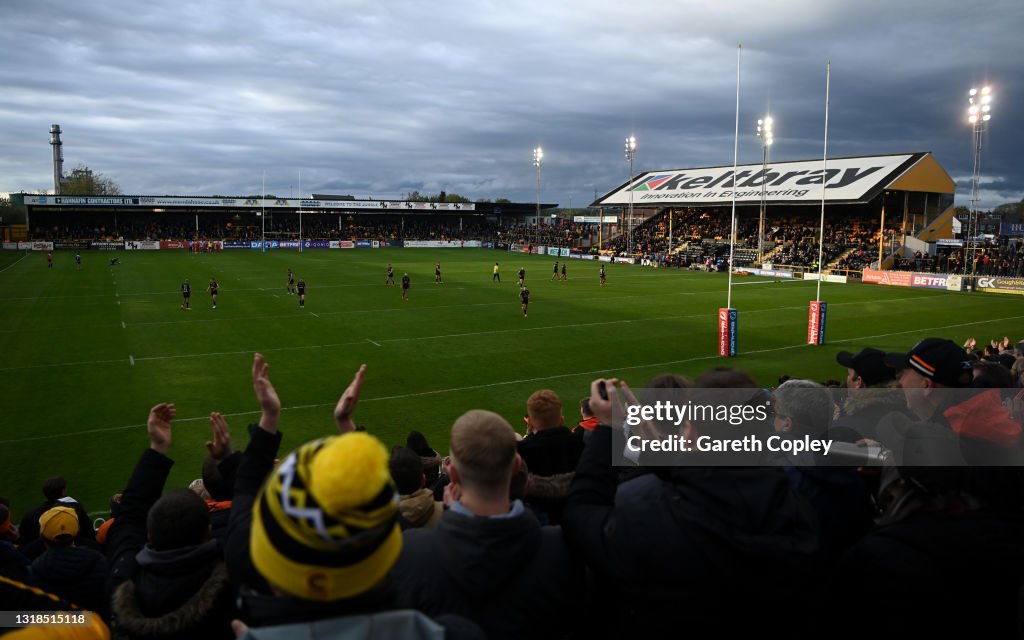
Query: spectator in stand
{"x": 489, "y": 559}
{"x": 416, "y": 501}
{"x": 700, "y": 533}
{"x": 17, "y": 596}
{"x": 307, "y": 566}
{"x": 13, "y": 563}
{"x": 167, "y": 578}
{"x": 967, "y": 426}
{"x": 937, "y": 533}
{"x": 549, "y": 449}
{"x": 871, "y": 394}
{"x": 55, "y": 490}
{"x": 837, "y": 495}
{"x": 77, "y": 574}
{"x": 430, "y": 459}
{"x": 589, "y": 421}
{"x": 219, "y": 475}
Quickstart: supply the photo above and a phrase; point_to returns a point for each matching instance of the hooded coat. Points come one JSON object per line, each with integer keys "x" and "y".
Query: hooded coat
{"x": 511, "y": 576}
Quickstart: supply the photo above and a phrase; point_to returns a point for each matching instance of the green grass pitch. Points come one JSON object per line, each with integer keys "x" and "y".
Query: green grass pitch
{"x": 86, "y": 353}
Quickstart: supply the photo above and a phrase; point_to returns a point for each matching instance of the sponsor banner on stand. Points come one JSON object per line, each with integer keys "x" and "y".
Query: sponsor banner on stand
{"x": 769, "y": 273}
{"x": 10, "y": 246}
{"x": 563, "y": 252}
{"x": 552, "y": 251}
{"x": 237, "y": 244}
{"x": 141, "y": 245}
{"x": 364, "y": 244}
{"x": 928, "y": 280}
{"x": 106, "y": 245}
{"x": 173, "y": 244}
{"x": 434, "y": 244}
{"x": 342, "y": 244}
{"x": 287, "y": 244}
{"x": 954, "y": 283}
{"x": 835, "y": 278}
{"x": 41, "y": 246}
{"x": 72, "y": 244}
{"x": 539, "y": 250}
{"x": 604, "y": 258}
{"x": 1011, "y": 229}
{"x": 889, "y": 278}
{"x": 316, "y": 244}
{"x": 1000, "y": 283}
{"x": 621, "y": 260}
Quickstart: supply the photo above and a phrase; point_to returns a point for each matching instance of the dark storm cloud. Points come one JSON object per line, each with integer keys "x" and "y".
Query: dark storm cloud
{"x": 378, "y": 99}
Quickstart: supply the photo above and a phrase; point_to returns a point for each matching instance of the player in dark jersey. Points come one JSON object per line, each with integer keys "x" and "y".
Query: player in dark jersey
{"x": 49, "y": 260}
{"x": 290, "y": 288}
{"x": 437, "y": 273}
{"x": 564, "y": 277}
{"x": 405, "y": 287}
{"x": 554, "y": 274}
{"x": 302, "y": 293}
{"x": 186, "y": 294}
{"x": 524, "y": 296}
{"x": 522, "y": 277}
{"x": 390, "y": 279}
{"x": 601, "y": 275}
{"x": 212, "y": 288}
{"x": 78, "y": 261}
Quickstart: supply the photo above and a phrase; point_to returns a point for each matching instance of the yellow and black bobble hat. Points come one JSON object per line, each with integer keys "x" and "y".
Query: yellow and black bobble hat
{"x": 325, "y": 522}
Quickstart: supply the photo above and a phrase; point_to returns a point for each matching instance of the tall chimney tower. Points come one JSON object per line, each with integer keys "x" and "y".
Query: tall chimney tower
{"x": 58, "y": 157}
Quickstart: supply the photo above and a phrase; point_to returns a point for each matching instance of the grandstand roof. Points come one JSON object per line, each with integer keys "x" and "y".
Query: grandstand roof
{"x": 849, "y": 180}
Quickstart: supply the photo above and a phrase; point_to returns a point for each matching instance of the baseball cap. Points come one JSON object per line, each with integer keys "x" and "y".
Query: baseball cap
{"x": 938, "y": 359}
{"x": 58, "y": 521}
{"x": 869, "y": 365}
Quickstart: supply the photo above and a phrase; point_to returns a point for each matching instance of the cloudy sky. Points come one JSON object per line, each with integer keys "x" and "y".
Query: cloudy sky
{"x": 376, "y": 99}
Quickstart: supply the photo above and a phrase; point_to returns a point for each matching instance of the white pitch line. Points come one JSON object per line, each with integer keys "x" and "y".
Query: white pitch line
{"x": 372, "y": 342}
{"x": 14, "y": 263}
{"x": 313, "y": 314}
{"x": 482, "y": 333}
{"x": 122, "y": 325}
{"x": 593, "y": 372}
{"x": 131, "y": 360}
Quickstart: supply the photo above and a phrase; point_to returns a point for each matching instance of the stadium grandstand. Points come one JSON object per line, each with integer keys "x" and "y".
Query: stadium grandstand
{"x": 880, "y": 211}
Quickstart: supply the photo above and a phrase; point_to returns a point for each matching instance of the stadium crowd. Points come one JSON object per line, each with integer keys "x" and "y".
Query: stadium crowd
{"x": 352, "y": 227}
{"x": 538, "y": 535}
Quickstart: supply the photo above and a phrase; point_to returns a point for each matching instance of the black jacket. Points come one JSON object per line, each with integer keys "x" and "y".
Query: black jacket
{"x": 75, "y": 574}
{"x": 731, "y": 545}
{"x": 255, "y": 465}
{"x": 548, "y": 453}
{"x": 511, "y": 576}
{"x": 934, "y": 574}
{"x": 177, "y": 593}
{"x": 551, "y": 451}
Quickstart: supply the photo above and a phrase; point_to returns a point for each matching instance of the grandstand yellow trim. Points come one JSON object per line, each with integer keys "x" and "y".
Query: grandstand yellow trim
{"x": 926, "y": 175}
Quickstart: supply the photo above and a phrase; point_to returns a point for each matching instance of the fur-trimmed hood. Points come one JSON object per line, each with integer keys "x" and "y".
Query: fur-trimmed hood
{"x": 206, "y": 614}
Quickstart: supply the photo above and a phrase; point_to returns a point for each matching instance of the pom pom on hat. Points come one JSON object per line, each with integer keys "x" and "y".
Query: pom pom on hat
{"x": 325, "y": 523}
